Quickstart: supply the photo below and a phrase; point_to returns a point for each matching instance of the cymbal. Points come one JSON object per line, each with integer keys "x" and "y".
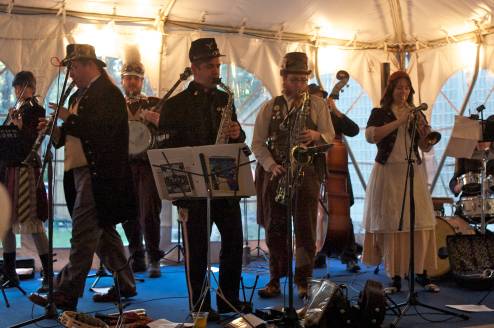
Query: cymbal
{"x": 5, "y": 213}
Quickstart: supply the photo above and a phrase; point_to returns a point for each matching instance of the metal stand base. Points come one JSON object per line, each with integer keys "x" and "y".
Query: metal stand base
{"x": 178, "y": 246}
{"x": 5, "y": 285}
{"x": 413, "y": 301}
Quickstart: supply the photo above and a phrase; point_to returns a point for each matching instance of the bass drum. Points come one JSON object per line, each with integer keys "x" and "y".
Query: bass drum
{"x": 447, "y": 226}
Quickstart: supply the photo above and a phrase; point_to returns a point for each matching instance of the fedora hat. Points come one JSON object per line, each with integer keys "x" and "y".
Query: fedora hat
{"x": 81, "y": 51}
{"x": 204, "y": 48}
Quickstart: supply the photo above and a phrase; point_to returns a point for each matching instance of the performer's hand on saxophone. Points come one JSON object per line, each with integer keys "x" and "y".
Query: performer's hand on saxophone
{"x": 277, "y": 170}
{"x": 308, "y": 136}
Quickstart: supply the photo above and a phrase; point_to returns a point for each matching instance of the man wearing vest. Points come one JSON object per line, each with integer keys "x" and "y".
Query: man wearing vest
{"x": 271, "y": 147}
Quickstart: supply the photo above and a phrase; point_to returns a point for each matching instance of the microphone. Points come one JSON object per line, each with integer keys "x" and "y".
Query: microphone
{"x": 422, "y": 106}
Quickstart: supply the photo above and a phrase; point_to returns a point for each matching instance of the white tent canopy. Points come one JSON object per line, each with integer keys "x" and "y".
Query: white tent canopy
{"x": 353, "y": 35}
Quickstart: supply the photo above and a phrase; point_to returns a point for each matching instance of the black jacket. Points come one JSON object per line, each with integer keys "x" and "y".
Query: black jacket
{"x": 101, "y": 125}
{"x": 380, "y": 117}
{"x": 192, "y": 118}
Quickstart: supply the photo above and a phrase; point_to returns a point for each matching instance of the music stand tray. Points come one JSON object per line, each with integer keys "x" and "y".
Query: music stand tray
{"x": 10, "y": 142}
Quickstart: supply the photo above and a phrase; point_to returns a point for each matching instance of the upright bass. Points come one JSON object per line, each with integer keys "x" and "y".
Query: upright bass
{"x": 339, "y": 230}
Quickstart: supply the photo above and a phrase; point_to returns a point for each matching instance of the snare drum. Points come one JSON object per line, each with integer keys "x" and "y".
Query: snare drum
{"x": 471, "y": 207}
{"x": 446, "y": 226}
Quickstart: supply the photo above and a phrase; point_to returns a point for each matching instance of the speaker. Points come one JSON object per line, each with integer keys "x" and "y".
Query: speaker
{"x": 20, "y": 264}
{"x": 471, "y": 258}
{"x": 327, "y": 305}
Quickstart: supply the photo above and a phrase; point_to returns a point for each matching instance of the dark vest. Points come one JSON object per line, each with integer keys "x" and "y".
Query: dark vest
{"x": 380, "y": 117}
{"x": 278, "y": 135}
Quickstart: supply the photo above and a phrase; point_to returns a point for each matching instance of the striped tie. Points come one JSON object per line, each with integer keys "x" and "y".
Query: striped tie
{"x": 25, "y": 194}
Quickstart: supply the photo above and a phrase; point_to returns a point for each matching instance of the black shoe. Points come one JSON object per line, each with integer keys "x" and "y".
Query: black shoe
{"x": 352, "y": 266}
{"x": 320, "y": 261}
{"x": 394, "y": 286}
{"x": 112, "y": 295}
{"x": 44, "y": 288}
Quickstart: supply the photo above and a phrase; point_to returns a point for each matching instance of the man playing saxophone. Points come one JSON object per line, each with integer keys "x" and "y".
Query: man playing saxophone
{"x": 193, "y": 118}
{"x": 272, "y": 144}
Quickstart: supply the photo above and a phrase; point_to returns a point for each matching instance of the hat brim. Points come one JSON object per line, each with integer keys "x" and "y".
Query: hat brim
{"x": 295, "y": 71}
{"x": 205, "y": 57}
{"x": 133, "y": 74}
{"x": 98, "y": 62}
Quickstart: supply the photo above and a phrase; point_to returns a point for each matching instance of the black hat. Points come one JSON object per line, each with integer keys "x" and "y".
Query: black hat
{"x": 295, "y": 63}
{"x": 24, "y": 78}
{"x": 315, "y": 88}
{"x": 204, "y": 48}
{"x": 81, "y": 51}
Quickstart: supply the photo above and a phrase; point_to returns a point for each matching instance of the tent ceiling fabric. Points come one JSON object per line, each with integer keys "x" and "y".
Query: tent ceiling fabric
{"x": 367, "y": 21}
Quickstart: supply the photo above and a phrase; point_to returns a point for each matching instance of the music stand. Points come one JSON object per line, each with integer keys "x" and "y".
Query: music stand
{"x": 9, "y": 144}
{"x": 204, "y": 172}
{"x": 178, "y": 246}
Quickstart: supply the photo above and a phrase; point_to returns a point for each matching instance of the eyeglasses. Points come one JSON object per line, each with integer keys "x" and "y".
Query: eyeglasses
{"x": 298, "y": 79}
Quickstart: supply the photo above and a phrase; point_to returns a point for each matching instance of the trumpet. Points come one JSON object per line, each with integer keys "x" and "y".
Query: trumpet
{"x": 426, "y": 135}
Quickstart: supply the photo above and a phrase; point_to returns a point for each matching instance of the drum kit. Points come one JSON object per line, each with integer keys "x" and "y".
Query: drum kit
{"x": 476, "y": 211}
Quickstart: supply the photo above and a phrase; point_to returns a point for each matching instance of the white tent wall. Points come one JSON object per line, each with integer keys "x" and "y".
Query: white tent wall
{"x": 28, "y": 43}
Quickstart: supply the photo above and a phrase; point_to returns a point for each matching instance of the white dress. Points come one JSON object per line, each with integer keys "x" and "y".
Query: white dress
{"x": 383, "y": 203}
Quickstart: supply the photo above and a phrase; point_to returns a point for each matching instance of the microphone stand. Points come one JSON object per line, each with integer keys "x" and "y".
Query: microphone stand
{"x": 412, "y": 299}
{"x": 50, "y": 308}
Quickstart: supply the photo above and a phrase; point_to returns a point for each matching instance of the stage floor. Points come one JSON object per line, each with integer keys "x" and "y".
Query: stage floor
{"x": 166, "y": 297}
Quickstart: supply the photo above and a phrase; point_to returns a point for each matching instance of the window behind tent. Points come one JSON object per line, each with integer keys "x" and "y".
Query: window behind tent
{"x": 356, "y": 104}
{"x": 448, "y": 104}
{"x": 7, "y": 93}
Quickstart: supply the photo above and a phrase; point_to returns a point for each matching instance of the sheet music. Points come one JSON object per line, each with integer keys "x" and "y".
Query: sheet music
{"x": 464, "y": 137}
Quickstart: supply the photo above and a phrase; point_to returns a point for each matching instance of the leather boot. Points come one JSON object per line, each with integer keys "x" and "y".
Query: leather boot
{"x": 45, "y": 282}
{"x": 138, "y": 262}
{"x": 9, "y": 277}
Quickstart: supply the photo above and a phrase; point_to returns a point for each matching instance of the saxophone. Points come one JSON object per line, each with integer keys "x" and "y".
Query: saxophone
{"x": 298, "y": 157}
{"x": 32, "y": 157}
{"x": 226, "y": 115}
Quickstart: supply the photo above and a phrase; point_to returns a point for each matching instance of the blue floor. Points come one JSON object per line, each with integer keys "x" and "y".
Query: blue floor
{"x": 166, "y": 297}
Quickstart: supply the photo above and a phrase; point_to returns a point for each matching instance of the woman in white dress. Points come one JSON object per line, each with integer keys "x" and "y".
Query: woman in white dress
{"x": 388, "y": 128}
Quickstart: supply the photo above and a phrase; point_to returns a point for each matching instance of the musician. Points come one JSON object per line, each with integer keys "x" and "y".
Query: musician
{"x": 192, "y": 118}
{"x": 29, "y": 201}
{"x": 97, "y": 183}
{"x": 465, "y": 165}
{"x": 388, "y": 128}
{"x": 270, "y": 145}
{"x": 343, "y": 125}
{"x": 139, "y": 108}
